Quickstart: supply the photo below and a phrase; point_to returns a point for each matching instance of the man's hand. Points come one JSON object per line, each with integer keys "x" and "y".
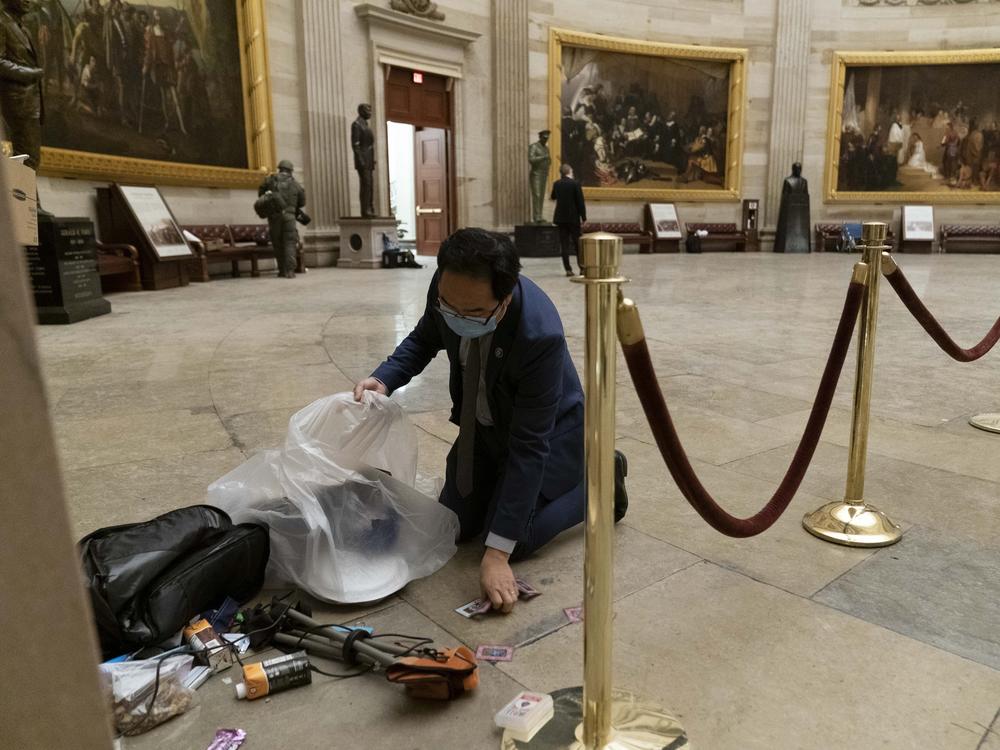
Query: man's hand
{"x": 497, "y": 580}
{"x": 368, "y": 384}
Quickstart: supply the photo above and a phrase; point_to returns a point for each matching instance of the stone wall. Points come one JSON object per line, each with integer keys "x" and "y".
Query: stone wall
{"x": 787, "y": 103}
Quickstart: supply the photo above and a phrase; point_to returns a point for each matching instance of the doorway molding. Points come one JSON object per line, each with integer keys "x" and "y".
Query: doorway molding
{"x": 401, "y": 40}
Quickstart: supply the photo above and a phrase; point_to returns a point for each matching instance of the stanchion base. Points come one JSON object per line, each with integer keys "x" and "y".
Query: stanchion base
{"x": 853, "y": 525}
{"x": 988, "y": 422}
{"x": 638, "y": 726}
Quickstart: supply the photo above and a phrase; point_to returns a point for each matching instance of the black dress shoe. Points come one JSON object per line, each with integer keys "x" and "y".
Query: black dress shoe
{"x": 621, "y": 496}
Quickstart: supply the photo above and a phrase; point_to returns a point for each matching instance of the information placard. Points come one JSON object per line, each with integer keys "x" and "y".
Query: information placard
{"x": 918, "y": 223}
{"x": 157, "y": 223}
{"x": 665, "y": 223}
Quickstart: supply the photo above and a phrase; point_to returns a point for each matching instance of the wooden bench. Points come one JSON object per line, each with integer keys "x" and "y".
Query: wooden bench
{"x": 829, "y": 237}
{"x": 721, "y": 237}
{"x": 118, "y": 267}
{"x": 631, "y": 233}
{"x": 970, "y": 238}
{"x": 233, "y": 243}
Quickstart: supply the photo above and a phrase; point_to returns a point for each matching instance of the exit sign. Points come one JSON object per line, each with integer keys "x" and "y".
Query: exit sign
{"x": 418, "y": 77}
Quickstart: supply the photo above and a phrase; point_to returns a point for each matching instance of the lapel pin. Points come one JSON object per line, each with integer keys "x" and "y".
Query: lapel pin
{"x": 498, "y": 352}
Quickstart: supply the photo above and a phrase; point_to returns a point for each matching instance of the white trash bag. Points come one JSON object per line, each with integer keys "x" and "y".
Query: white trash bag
{"x": 347, "y": 524}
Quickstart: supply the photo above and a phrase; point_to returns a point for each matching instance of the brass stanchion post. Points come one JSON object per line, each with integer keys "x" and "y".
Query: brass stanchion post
{"x": 597, "y": 717}
{"x": 853, "y": 522}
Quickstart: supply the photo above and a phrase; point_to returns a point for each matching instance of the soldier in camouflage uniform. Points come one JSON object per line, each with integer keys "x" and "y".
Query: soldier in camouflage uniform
{"x": 284, "y": 235}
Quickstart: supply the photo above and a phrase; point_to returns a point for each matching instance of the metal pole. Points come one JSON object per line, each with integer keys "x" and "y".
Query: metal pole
{"x": 596, "y": 715}
{"x": 600, "y": 256}
{"x": 853, "y": 522}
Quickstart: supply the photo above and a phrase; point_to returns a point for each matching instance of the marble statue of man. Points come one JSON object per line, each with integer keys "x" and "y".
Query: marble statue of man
{"x": 20, "y": 83}
{"x": 540, "y": 160}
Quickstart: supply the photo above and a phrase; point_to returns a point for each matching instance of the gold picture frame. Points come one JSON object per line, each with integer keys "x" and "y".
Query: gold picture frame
{"x": 258, "y": 119}
{"x": 735, "y": 115}
{"x": 842, "y": 63}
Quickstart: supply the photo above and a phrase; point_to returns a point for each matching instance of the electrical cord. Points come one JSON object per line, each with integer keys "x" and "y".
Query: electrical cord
{"x": 420, "y": 642}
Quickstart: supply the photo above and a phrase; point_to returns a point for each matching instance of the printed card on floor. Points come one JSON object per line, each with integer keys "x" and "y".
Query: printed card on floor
{"x": 475, "y": 607}
{"x": 527, "y": 590}
{"x": 495, "y": 653}
{"x": 574, "y": 614}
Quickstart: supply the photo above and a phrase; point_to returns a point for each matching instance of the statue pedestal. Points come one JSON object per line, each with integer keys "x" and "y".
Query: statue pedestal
{"x": 361, "y": 241}
{"x": 537, "y": 240}
{"x": 63, "y": 270}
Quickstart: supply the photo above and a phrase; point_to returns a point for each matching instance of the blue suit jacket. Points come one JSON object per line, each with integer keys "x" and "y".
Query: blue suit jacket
{"x": 533, "y": 391}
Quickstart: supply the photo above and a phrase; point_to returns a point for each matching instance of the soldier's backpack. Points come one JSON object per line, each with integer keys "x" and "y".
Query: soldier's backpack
{"x": 270, "y": 203}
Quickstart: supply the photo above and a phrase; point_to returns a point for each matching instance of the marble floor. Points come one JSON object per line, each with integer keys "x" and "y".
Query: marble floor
{"x": 781, "y": 641}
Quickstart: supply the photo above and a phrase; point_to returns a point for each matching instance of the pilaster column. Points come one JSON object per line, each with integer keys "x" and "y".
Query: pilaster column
{"x": 510, "y": 110}
{"x": 327, "y": 127}
{"x": 788, "y": 100}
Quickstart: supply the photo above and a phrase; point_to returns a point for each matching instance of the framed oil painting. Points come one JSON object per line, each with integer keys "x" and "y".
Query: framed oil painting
{"x": 914, "y": 127}
{"x": 156, "y": 91}
{"x": 646, "y": 121}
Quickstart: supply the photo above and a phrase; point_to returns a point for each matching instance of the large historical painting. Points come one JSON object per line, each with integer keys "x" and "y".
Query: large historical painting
{"x": 647, "y": 121}
{"x": 915, "y": 127}
{"x": 161, "y": 81}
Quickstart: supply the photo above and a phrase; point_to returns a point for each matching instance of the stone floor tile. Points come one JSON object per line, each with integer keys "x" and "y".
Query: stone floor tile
{"x": 785, "y": 556}
{"x": 909, "y": 493}
{"x": 106, "y": 396}
{"x": 362, "y": 712}
{"x": 267, "y": 388}
{"x": 973, "y": 454}
{"x": 99, "y": 441}
{"x": 139, "y": 490}
{"x": 936, "y": 588}
{"x": 558, "y": 573}
{"x": 745, "y": 666}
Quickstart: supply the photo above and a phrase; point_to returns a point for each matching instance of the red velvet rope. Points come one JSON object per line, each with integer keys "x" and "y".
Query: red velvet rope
{"x": 909, "y": 298}
{"x": 643, "y": 376}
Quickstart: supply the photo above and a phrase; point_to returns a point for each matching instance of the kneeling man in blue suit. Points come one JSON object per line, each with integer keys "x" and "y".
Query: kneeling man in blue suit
{"x": 515, "y": 476}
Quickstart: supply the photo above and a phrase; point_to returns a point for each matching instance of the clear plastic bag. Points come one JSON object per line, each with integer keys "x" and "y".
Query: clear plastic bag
{"x": 129, "y": 687}
{"x": 346, "y": 523}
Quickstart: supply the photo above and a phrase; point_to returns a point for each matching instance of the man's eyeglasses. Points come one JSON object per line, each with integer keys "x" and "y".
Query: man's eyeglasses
{"x": 444, "y": 309}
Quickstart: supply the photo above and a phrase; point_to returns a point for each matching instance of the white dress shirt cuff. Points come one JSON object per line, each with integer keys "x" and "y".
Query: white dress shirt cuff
{"x": 501, "y": 543}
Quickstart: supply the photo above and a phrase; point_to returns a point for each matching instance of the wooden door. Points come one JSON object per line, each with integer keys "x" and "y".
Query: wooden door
{"x": 431, "y": 169}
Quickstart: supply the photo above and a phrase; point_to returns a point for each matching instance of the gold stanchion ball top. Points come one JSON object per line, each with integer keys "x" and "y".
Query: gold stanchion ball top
{"x": 600, "y": 254}
{"x": 874, "y": 233}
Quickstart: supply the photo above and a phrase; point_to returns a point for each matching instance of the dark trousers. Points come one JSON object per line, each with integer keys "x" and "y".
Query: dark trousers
{"x": 26, "y": 137}
{"x": 569, "y": 243}
{"x": 284, "y": 239}
{"x": 550, "y": 516}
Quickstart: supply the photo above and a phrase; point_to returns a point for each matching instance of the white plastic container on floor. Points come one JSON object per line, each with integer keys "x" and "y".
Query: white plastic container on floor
{"x": 525, "y": 715}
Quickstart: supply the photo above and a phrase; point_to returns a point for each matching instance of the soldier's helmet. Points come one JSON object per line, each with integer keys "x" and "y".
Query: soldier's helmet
{"x": 285, "y": 166}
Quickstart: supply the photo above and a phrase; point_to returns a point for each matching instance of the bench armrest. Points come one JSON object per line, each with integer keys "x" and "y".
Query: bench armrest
{"x": 125, "y": 251}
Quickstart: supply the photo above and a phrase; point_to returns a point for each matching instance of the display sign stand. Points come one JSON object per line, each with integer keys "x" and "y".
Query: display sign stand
{"x": 751, "y": 215}
{"x": 63, "y": 271}
{"x": 151, "y": 227}
{"x": 660, "y": 220}
{"x": 917, "y": 229}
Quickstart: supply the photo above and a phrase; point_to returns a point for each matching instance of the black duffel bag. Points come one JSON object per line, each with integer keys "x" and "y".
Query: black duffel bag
{"x": 147, "y": 580}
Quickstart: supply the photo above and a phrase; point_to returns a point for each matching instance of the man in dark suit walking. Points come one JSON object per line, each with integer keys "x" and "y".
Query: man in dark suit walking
{"x": 515, "y": 476}
{"x": 570, "y": 212}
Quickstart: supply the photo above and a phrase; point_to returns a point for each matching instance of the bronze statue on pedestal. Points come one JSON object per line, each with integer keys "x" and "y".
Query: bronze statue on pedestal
{"x": 363, "y": 145}
{"x": 21, "y": 106}
{"x": 540, "y": 160}
{"x": 793, "y": 235}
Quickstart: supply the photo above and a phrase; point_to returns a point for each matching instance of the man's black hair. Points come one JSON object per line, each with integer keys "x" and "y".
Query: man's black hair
{"x": 482, "y": 255}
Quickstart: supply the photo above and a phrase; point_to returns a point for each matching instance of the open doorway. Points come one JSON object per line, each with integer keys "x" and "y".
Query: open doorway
{"x": 420, "y": 141}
